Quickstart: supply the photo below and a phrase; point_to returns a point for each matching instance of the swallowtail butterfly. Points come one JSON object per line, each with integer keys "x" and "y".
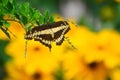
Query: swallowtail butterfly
{"x": 48, "y": 33}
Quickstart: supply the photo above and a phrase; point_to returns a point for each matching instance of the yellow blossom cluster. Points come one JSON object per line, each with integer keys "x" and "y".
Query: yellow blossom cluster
{"x": 96, "y": 57}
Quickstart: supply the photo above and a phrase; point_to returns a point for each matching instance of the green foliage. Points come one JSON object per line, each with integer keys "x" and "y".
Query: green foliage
{"x": 51, "y": 5}
{"x": 86, "y": 22}
{"x": 59, "y": 75}
{"x": 3, "y": 58}
{"x": 107, "y": 11}
{"x": 22, "y": 13}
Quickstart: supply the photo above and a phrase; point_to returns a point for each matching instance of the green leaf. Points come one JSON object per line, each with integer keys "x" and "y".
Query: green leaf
{"x": 3, "y": 56}
{"x": 59, "y": 74}
{"x": 41, "y": 20}
{"x": 5, "y": 31}
{"x": 24, "y": 9}
{"x": 1, "y": 24}
{"x": 4, "y": 2}
{"x": 51, "y": 19}
{"x": 45, "y": 15}
{"x": 17, "y": 15}
{"x": 9, "y": 7}
{"x": 34, "y": 14}
{"x": 6, "y": 24}
{"x": 3, "y": 11}
{"x": 24, "y": 13}
{"x": 24, "y": 20}
{"x": 29, "y": 27}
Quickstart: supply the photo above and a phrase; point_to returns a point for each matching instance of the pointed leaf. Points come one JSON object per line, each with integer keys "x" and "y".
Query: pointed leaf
{"x": 6, "y": 24}
{"x": 51, "y": 19}
{"x": 4, "y": 2}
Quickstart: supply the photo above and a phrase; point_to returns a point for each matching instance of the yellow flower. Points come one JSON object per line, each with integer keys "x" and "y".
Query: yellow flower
{"x": 93, "y": 71}
{"x": 38, "y": 66}
{"x": 35, "y": 49}
{"x": 94, "y": 56}
{"x": 103, "y": 46}
{"x": 115, "y": 74}
{"x": 3, "y": 35}
{"x": 99, "y": 49}
{"x": 14, "y": 30}
{"x": 80, "y": 37}
{"x": 20, "y": 73}
{"x": 81, "y": 63}
{"x": 108, "y": 43}
{"x": 77, "y": 68}
{"x": 39, "y": 62}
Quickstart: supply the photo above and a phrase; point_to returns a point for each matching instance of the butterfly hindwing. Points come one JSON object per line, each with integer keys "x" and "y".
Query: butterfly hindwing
{"x": 43, "y": 41}
{"x": 28, "y": 36}
{"x": 59, "y": 35}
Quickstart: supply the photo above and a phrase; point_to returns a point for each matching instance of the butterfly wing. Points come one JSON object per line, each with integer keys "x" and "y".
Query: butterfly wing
{"x": 59, "y": 35}
{"x": 28, "y": 36}
{"x": 48, "y": 33}
{"x": 44, "y": 39}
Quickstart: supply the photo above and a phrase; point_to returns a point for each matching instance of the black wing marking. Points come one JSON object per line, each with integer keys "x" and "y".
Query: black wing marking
{"x": 48, "y": 26}
{"x": 60, "y": 40}
{"x": 43, "y": 41}
{"x": 59, "y": 35}
{"x": 28, "y": 36}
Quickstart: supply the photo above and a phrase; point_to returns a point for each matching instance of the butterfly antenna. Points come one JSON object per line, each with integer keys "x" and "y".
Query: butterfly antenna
{"x": 25, "y": 53}
{"x": 69, "y": 42}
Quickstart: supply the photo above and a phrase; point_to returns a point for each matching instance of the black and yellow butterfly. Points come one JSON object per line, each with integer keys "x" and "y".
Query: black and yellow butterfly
{"x": 47, "y": 33}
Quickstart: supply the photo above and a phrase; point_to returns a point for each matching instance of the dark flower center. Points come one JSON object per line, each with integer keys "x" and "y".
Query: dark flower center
{"x": 37, "y": 76}
{"x": 93, "y": 65}
{"x": 36, "y": 48}
{"x": 100, "y": 47}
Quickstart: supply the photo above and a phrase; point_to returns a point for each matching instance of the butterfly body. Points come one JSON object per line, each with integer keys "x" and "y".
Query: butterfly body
{"x": 48, "y": 33}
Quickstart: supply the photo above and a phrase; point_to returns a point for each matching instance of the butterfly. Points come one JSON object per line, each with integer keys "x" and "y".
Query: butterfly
{"x": 47, "y": 33}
